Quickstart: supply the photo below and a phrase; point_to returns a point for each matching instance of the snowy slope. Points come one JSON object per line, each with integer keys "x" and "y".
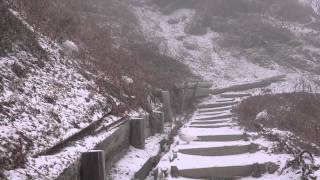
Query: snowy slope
{"x": 206, "y": 57}
{"x": 42, "y": 102}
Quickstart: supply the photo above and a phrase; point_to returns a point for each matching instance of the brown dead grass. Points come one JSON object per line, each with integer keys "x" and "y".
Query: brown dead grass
{"x": 80, "y": 21}
{"x": 297, "y": 112}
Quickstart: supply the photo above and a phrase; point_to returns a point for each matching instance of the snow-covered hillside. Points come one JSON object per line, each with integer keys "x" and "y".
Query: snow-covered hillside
{"x": 222, "y": 65}
{"x": 43, "y": 102}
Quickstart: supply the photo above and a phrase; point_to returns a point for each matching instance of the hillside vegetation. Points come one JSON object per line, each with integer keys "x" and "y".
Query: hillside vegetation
{"x": 48, "y": 94}
{"x": 298, "y": 113}
{"x": 267, "y": 32}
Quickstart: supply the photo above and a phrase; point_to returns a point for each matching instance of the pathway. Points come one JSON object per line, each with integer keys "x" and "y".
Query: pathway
{"x": 222, "y": 150}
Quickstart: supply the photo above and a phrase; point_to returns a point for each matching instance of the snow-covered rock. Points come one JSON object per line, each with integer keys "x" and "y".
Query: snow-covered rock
{"x": 187, "y": 137}
{"x": 263, "y": 115}
{"x": 69, "y": 47}
{"x": 127, "y": 79}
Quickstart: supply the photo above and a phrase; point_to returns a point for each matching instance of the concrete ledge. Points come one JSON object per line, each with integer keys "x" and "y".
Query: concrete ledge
{"x": 215, "y": 109}
{"x": 211, "y": 114}
{"x": 221, "y": 151}
{"x": 114, "y": 146}
{"x": 210, "y": 122}
{"x": 217, "y": 172}
{"x": 211, "y": 126}
{"x": 235, "y": 137}
{"x": 225, "y": 100}
{"x": 235, "y": 95}
{"x": 214, "y": 105}
{"x": 222, "y": 116}
{"x": 255, "y": 170}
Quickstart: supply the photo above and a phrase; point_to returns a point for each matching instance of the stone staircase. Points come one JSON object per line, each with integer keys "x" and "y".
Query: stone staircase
{"x": 222, "y": 149}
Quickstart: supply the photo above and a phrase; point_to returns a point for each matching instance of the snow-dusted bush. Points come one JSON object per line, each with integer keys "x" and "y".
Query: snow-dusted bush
{"x": 127, "y": 80}
{"x": 69, "y": 47}
{"x": 263, "y": 115}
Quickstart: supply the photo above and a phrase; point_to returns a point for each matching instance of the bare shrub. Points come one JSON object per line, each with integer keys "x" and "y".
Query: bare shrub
{"x": 19, "y": 70}
{"x": 296, "y": 112}
{"x": 198, "y": 25}
{"x": 293, "y": 10}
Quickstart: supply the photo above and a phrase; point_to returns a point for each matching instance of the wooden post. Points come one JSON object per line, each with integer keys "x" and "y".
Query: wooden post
{"x": 157, "y": 122}
{"x": 93, "y": 165}
{"x": 167, "y": 106}
{"x": 137, "y": 133}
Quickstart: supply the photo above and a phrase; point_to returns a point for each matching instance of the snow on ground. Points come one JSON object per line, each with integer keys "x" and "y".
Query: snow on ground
{"x": 51, "y": 166}
{"x": 206, "y": 58}
{"x": 134, "y": 159}
{"x": 185, "y": 161}
{"x": 42, "y": 102}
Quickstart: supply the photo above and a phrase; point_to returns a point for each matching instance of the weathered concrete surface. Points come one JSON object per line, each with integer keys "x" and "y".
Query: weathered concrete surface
{"x": 213, "y": 105}
{"x": 235, "y": 137}
{"x": 211, "y": 126}
{"x": 225, "y": 100}
{"x": 210, "y": 122}
{"x": 147, "y": 125}
{"x": 157, "y": 122}
{"x": 93, "y": 165}
{"x": 210, "y": 113}
{"x": 215, "y": 109}
{"x": 221, "y": 116}
{"x": 221, "y": 151}
{"x": 137, "y": 132}
{"x": 217, "y": 172}
{"x": 168, "y": 114}
{"x": 115, "y": 145}
{"x": 235, "y": 95}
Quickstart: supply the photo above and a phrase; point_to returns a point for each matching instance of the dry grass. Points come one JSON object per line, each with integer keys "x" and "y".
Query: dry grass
{"x": 81, "y": 22}
{"x": 297, "y": 112}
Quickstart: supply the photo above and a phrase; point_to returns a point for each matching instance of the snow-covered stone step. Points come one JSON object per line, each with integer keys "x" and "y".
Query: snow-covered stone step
{"x": 213, "y": 126}
{"x": 218, "y": 109}
{"x": 213, "y": 105}
{"x": 211, "y": 122}
{"x": 221, "y": 150}
{"x": 230, "y": 166}
{"x": 234, "y": 95}
{"x": 199, "y": 144}
{"x": 219, "y": 138}
{"x": 221, "y": 100}
{"x": 212, "y": 113}
{"x": 216, "y": 117}
{"x": 220, "y": 131}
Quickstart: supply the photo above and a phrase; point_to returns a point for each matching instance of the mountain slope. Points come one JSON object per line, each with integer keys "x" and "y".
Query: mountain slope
{"x": 229, "y": 42}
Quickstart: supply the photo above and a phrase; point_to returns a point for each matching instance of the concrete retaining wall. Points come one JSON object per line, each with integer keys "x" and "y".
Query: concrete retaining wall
{"x": 115, "y": 146}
